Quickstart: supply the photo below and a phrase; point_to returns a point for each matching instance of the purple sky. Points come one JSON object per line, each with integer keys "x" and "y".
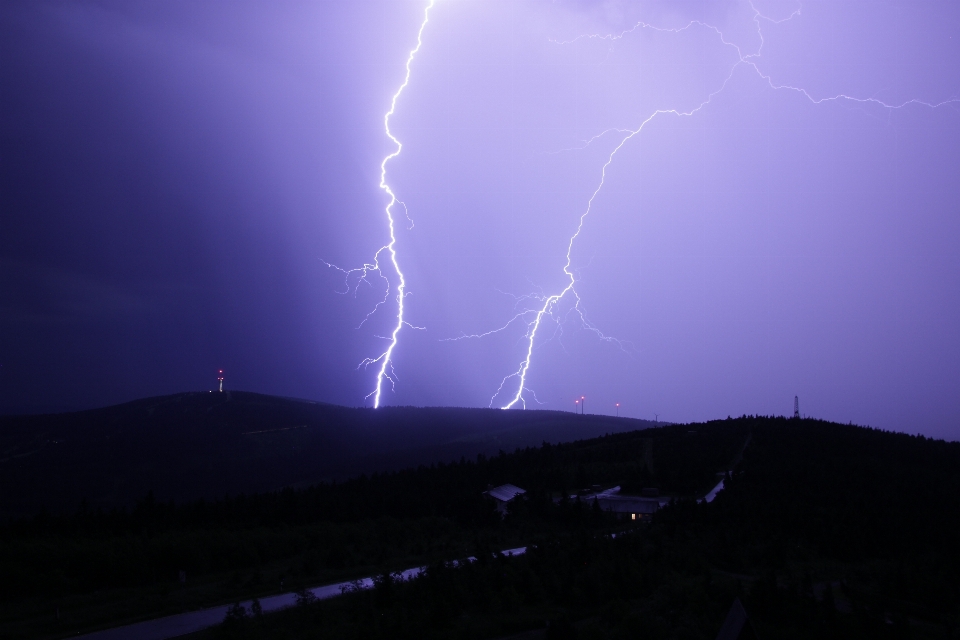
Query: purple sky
{"x": 176, "y": 177}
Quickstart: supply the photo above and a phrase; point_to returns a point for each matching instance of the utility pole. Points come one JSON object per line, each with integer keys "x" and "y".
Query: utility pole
{"x": 796, "y": 407}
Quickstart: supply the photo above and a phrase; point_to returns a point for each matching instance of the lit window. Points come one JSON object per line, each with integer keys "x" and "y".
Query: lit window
{"x": 633, "y": 516}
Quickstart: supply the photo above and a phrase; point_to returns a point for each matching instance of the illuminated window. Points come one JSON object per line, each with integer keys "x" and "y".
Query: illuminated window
{"x": 633, "y": 516}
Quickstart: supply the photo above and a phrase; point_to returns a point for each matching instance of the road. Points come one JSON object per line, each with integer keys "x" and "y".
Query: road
{"x": 713, "y": 492}
{"x": 184, "y": 623}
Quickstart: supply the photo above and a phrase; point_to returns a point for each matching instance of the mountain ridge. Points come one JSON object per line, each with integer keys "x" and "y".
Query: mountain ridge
{"x": 194, "y": 445}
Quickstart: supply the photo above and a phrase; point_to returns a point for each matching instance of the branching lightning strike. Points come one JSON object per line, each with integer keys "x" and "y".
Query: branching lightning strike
{"x": 550, "y": 303}
{"x": 386, "y": 371}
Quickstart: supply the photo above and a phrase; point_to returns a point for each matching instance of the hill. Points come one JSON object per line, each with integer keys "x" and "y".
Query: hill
{"x": 822, "y": 531}
{"x": 101, "y": 568}
{"x": 205, "y": 445}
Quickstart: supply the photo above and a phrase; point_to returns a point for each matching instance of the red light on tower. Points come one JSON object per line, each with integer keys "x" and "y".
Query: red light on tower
{"x": 618, "y": 409}
{"x": 583, "y": 403}
{"x": 220, "y": 379}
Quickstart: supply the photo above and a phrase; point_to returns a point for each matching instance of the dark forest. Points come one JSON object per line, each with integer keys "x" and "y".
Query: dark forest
{"x": 822, "y": 530}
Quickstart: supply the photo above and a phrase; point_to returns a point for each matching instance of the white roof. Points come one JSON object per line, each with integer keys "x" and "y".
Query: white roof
{"x": 505, "y": 492}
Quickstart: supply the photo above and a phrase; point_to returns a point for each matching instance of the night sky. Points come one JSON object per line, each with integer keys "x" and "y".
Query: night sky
{"x": 779, "y": 212}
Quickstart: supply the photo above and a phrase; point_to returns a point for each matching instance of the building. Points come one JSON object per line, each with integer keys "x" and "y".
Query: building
{"x": 628, "y": 506}
{"x": 504, "y": 494}
{"x": 632, "y": 507}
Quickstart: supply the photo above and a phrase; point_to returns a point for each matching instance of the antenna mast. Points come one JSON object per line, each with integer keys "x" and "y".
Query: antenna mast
{"x": 796, "y": 407}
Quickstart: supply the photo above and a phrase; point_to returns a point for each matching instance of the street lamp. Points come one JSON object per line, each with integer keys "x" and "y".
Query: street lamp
{"x": 618, "y": 409}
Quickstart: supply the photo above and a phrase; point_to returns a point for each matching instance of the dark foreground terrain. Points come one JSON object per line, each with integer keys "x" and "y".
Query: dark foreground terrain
{"x": 823, "y": 531}
{"x": 205, "y": 445}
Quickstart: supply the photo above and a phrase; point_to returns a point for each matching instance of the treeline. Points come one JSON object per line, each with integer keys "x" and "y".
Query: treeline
{"x": 684, "y": 460}
{"x": 204, "y": 445}
{"x": 885, "y": 507}
{"x": 823, "y": 531}
{"x": 650, "y": 583}
{"x": 320, "y": 532}
{"x": 581, "y": 586}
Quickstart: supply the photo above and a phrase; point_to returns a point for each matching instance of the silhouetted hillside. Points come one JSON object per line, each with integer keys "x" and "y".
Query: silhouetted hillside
{"x": 194, "y": 445}
{"x": 129, "y": 559}
{"x": 822, "y": 531}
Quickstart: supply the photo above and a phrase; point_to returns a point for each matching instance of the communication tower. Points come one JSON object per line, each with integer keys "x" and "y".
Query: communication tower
{"x": 220, "y": 379}
{"x": 796, "y": 407}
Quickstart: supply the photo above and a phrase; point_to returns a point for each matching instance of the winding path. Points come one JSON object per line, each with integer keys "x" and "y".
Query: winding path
{"x": 184, "y": 623}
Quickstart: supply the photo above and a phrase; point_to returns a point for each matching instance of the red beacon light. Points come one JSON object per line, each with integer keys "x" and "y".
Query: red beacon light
{"x": 220, "y": 379}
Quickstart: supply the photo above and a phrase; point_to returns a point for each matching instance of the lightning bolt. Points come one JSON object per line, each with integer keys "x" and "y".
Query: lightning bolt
{"x": 550, "y": 303}
{"x": 384, "y": 360}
